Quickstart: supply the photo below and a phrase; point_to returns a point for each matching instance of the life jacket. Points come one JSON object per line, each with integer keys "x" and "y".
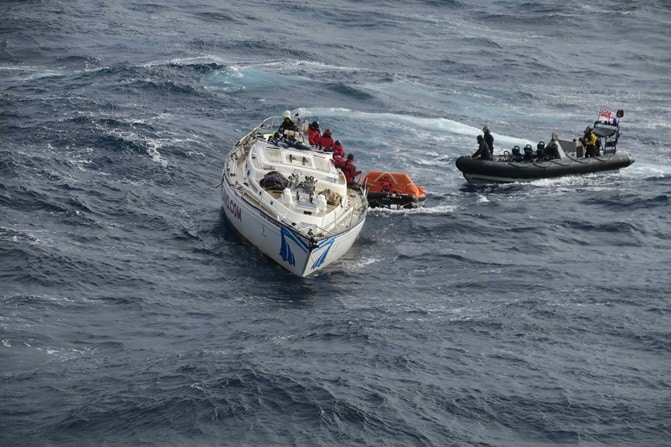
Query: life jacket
{"x": 590, "y": 139}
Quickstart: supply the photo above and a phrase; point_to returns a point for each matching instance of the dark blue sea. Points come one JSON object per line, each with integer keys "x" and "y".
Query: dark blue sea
{"x": 133, "y": 314}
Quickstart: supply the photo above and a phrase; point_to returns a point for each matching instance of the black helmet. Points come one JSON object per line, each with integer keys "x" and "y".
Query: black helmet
{"x": 540, "y": 145}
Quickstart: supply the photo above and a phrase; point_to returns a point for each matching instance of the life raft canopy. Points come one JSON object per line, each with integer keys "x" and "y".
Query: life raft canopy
{"x": 394, "y": 190}
{"x": 398, "y": 182}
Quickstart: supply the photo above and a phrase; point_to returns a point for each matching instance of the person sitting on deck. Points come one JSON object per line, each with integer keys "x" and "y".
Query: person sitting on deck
{"x": 338, "y": 150}
{"x": 287, "y": 124}
{"x": 314, "y": 133}
{"x": 326, "y": 142}
{"x": 274, "y": 137}
{"x": 338, "y": 155}
{"x": 517, "y": 154}
{"x": 339, "y": 162}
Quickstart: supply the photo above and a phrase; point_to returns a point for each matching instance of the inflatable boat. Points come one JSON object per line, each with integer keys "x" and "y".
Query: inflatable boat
{"x": 394, "y": 190}
{"x": 567, "y": 157}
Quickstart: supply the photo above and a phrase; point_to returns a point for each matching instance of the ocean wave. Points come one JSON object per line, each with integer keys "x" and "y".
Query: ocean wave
{"x": 132, "y": 312}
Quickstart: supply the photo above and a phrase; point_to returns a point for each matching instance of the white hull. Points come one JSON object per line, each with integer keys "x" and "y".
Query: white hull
{"x": 300, "y": 232}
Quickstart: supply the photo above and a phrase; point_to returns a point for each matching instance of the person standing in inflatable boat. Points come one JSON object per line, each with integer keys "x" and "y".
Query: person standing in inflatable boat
{"x": 589, "y": 142}
{"x": 489, "y": 139}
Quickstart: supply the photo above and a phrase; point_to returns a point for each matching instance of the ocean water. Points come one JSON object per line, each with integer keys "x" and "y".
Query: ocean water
{"x": 131, "y": 312}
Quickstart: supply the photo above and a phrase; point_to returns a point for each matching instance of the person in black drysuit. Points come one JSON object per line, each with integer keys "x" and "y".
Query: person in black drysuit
{"x": 552, "y": 149}
{"x": 489, "y": 139}
{"x": 528, "y": 153}
{"x": 483, "y": 151}
{"x": 287, "y": 124}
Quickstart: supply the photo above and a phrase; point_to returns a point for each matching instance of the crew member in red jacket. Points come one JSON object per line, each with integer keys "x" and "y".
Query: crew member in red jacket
{"x": 350, "y": 170}
{"x": 338, "y": 150}
{"x": 338, "y": 162}
{"x": 326, "y": 141}
{"x": 314, "y": 133}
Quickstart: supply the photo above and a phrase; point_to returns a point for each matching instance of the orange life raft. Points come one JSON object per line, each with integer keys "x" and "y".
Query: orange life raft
{"x": 392, "y": 190}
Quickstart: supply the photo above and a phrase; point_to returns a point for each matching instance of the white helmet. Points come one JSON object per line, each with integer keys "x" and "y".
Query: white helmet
{"x": 287, "y": 114}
